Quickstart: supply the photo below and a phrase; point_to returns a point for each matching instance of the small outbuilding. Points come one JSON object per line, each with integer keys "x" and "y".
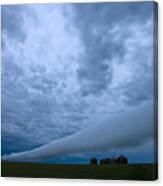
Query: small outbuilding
{"x": 121, "y": 160}
{"x": 107, "y": 161}
{"x": 93, "y": 161}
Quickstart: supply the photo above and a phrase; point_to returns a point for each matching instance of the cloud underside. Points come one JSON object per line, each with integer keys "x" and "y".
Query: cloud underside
{"x": 102, "y": 136}
{"x": 68, "y": 66}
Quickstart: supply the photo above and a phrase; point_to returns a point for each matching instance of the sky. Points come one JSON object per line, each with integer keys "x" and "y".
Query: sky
{"x": 66, "y": 67}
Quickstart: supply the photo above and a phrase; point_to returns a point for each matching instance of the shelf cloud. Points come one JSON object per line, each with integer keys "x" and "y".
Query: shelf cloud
{"x": 69, "y": 69}
{"x": 124, "y": 130}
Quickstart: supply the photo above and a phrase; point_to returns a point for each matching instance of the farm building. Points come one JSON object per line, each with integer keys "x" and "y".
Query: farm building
{"x": 93, "y": 161}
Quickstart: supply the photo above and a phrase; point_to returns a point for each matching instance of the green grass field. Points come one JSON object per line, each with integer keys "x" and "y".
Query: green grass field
{"x": 113, "y": 172}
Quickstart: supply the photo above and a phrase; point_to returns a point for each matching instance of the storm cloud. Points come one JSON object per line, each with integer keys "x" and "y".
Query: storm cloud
{"x": 106, "y": 135}
{"x": 67, "y": 66}
{"x": 105, "y": 30}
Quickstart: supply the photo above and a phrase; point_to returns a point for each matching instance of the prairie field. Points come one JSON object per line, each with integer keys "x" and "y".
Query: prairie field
{"x": 83, "y": 171}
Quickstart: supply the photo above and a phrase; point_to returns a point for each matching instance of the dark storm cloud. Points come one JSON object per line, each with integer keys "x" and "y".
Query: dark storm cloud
{"x": 113, "y": 12}
{"x": 140, "y": 91}
{"x": 96, "y": 22}
{"x": 32, "y": 95}
{"x": 94, "y": 78}
{"x": 94, "y": 62}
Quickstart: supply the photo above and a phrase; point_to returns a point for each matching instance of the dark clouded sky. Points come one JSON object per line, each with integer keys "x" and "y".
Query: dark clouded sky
{"x": 66, "y": 66}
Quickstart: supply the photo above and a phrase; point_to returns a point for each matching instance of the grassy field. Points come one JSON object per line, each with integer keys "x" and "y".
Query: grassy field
{"x": 113, "y": 172}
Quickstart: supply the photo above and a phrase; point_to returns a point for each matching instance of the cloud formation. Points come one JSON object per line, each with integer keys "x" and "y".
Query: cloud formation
{"x": 106, "y": 34}
{"x": 66, "y": 66}
{"x": 106, "y": 135}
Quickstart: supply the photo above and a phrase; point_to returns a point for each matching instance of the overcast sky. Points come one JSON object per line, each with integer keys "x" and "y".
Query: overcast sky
{"x": 67, "y": 66}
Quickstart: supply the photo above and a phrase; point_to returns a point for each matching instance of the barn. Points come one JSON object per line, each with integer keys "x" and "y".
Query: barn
{"x": 121, "y": 160}
{"x": 93, "y": 161}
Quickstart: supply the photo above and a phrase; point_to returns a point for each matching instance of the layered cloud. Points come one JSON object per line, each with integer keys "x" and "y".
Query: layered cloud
{"x": 67, "y": 66}
{"x": 105, "y": 135}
